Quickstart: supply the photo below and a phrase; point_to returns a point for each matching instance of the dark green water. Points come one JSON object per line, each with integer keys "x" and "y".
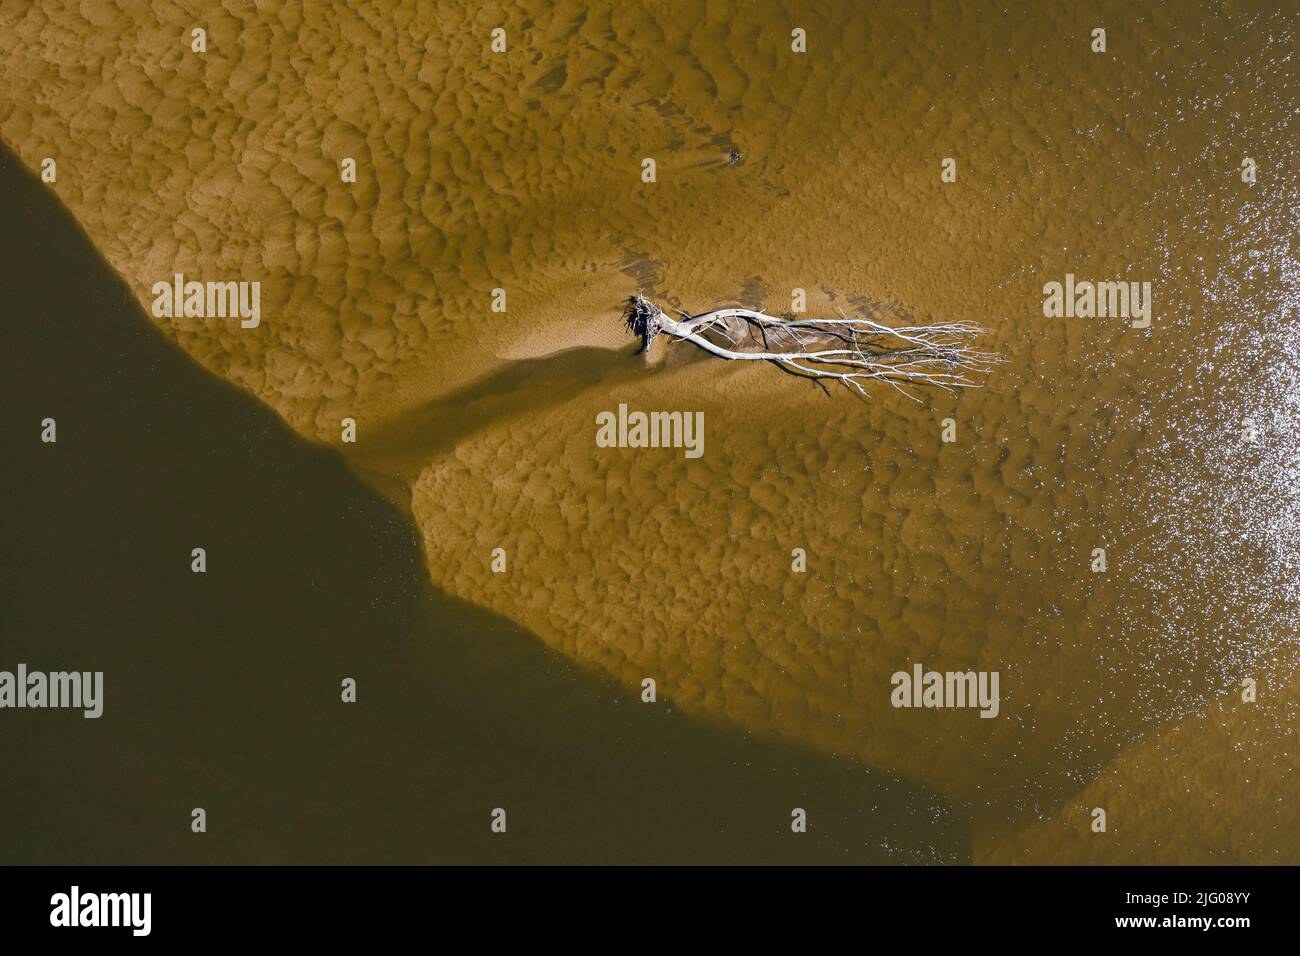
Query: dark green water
{"x": 222, "y": 689}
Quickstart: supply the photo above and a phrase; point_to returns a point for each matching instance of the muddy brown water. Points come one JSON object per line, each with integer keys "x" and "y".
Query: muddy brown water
{"x": 222, "y": 689}
{"x": 522, "y": 171}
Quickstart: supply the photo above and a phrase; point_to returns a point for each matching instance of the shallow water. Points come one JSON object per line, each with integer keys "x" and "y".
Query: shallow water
{"x": 522, "y": 172}
{"x": 222, "y": 690}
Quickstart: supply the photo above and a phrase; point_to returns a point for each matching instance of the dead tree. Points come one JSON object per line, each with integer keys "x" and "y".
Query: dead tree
{"x": 849, "y": 350}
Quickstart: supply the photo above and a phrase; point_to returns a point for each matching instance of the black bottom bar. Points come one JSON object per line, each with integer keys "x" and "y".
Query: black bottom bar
{"x": 802, "y": 905}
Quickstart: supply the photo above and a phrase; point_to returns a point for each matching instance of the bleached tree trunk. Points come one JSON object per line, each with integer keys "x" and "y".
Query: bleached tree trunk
{"x": 852, "y": 351}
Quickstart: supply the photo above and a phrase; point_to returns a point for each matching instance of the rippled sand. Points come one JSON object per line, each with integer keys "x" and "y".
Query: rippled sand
{"x": 522, "y": 171}
{"x": 223, "y": 688}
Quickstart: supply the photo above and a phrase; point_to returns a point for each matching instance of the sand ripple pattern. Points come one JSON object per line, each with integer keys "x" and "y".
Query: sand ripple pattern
{"x": 522, "y": 171}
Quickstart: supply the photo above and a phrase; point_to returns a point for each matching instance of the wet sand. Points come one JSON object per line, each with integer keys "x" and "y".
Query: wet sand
{"x": 522, "y": 171}
{"x": 222, "y": 689}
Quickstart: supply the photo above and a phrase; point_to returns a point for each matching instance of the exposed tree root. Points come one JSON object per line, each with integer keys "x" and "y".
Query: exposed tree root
{"x": 852, "y": 351}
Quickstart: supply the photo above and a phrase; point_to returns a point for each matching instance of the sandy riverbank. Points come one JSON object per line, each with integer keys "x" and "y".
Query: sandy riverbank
{"x": 522, "y": 172}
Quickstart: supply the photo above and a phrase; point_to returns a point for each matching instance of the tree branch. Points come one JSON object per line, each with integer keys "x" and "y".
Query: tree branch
{"x": 852, "y": 351}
